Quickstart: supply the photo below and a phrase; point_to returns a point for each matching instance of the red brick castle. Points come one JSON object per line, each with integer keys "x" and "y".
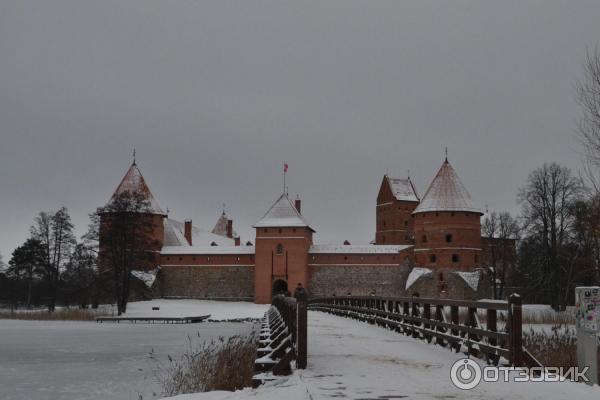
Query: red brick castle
{"x": 429, "y": 245}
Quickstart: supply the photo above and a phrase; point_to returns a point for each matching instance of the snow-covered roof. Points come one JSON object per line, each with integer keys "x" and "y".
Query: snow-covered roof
{"x": 147, "y": 277}
{"x": 133, "y": 182}
{"x": 221, "y": 226}
{"x": 415, "y": 274}
{"x": 174, "y": 236}
{"x": 356, "y": 249}
{"x": 282, "y": 213}
{"x": 180, "y": 250}
{"x": 470, "y": 278}
{"x": 446, "y": 193}
{"x": 403, "y": 189}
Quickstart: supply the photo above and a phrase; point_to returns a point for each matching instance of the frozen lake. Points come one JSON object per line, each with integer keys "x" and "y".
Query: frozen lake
{"x": 56, "y": 360}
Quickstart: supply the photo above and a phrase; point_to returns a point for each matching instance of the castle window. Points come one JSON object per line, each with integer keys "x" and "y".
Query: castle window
{"x": 279, "y": 230}
{"x": 405, "y": 223}
{"x": 279, "y": 249}
{"x": 452, "y": 214}
{"x": 384, "y": 224}
{"x": 238, "y": 259}
{"x": 455, "y": 258}
{"x": 437, "y": 214}
{"x": 294, "y": 230}
{"x": 432, "y": 258}
{"x": 346, "y": 258}
{"x": 180, "y": 258}
{"x": 441, "y": 276}
{"x": 266, "y": 230}
{"x": 424, "y": 239}
{"x": 449, "y": 238}
{"x": 208, "y": 259}
{"x": 476, "y": 258}
{"x": 383, "y": 239}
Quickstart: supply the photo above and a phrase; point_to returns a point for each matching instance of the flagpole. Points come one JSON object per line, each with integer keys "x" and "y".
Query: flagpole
{"x": 284, "y": 178}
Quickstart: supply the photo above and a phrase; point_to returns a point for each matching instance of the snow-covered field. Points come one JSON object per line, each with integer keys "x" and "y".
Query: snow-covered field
{"x": 218, "y": 310}
{"x": 352, "y": 360}
{"x": 57, "y": 360}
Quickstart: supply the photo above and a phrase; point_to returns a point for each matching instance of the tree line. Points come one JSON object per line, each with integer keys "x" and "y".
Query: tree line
{"x": 557, "y": 232}
{"x": 53, "y": 267}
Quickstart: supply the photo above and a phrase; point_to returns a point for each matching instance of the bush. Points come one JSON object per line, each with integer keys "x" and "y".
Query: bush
{"x": 554, "y": 348}
{"x": 223, "y": 364}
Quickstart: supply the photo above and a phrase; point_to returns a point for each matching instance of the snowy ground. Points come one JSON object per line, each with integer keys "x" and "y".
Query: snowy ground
{"x": 352, "y": 360}
{"x": 58, "y": 360}
{"x": 218, "y": 310}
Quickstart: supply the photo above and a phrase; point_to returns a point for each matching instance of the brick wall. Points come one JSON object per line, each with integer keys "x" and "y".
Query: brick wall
{"x": 235, "y": 282}
{"x": 439, "y": 236}
{"x": 359, "y": 280}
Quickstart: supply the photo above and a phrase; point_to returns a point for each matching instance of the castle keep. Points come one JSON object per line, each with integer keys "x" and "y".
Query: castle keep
{"x": 429, "y": 246}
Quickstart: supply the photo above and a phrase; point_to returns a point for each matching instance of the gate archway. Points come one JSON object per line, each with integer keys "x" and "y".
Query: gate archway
{"x": 279, "y": 287}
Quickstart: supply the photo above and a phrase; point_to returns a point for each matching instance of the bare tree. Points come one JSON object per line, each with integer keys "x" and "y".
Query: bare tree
{"x": 501, "y": 232}
{"x": 125, "y": 237}
{"x": 588, "y": 127}
{"x": 54, "y": 231}
{"x": 80, "y": 274}
{"x": 547, "y": 202}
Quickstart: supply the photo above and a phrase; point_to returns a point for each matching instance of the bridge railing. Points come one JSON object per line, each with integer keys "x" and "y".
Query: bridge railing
{"x": 283, "y": 339}
{"x": 477, "y": 325}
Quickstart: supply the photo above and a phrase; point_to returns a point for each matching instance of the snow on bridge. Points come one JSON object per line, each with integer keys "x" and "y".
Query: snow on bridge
{"x": 348, "y": 359}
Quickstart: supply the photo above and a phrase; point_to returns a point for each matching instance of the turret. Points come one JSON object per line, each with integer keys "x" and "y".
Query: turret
{"x": 283, "y": 239}
{"x": 151, "y": 217}
{"x": 396, "y": 201}
{"x": 447, "y": 224}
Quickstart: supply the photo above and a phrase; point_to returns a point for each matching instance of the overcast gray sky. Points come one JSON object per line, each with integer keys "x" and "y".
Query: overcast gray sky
{"x": 215, "y": 95}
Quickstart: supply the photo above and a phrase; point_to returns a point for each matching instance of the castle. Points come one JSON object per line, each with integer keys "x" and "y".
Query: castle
{"x": 429, "y": 246}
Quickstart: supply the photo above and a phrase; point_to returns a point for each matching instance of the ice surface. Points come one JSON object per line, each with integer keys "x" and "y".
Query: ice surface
{"x": 57, "y": 360}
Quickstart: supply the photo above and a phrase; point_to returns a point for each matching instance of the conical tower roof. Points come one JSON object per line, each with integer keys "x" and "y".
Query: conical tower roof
{"x": 282, "y": 213}
{"x": 221, "y": 226}
{"x": 133, "y": 182}
{"x": 446, "y": 193}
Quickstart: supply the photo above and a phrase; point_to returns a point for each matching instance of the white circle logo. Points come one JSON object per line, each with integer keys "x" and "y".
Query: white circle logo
{"x": 465, "y": 374}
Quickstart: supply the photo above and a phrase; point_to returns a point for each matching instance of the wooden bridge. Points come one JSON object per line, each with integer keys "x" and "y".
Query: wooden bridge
{"x": 490, "y": 330}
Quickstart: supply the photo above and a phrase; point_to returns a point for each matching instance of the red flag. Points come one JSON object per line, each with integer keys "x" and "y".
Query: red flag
{"x": 285, "y": 167}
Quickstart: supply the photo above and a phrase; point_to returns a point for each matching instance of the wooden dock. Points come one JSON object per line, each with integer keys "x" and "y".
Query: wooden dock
{"x": 155, "y": 320}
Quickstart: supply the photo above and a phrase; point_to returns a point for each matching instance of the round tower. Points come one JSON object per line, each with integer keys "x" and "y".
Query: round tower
{"x": 447, "y": 225}
{"x": 133, "y": 207}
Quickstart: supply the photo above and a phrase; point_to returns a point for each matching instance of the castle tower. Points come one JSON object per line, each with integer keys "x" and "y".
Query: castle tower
{"x": 447, "y": 224}
{"x": 151, "y": 217}
{"x": 283, "y": 239}
{"x": 396, "y": 201}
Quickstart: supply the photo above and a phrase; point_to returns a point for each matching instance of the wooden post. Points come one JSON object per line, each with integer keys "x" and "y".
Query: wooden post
{"x": 301, "y": 342}
{"x": 492, "y": 324}
{"x": 516, "y": 327}
{"x": 454, "y": 318}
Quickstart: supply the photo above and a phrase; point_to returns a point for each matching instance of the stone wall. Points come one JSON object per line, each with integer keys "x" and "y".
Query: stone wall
{"x": 358, "y": 280}
{"x": 235, "y": 282}
{"x": 445, "y": 283}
